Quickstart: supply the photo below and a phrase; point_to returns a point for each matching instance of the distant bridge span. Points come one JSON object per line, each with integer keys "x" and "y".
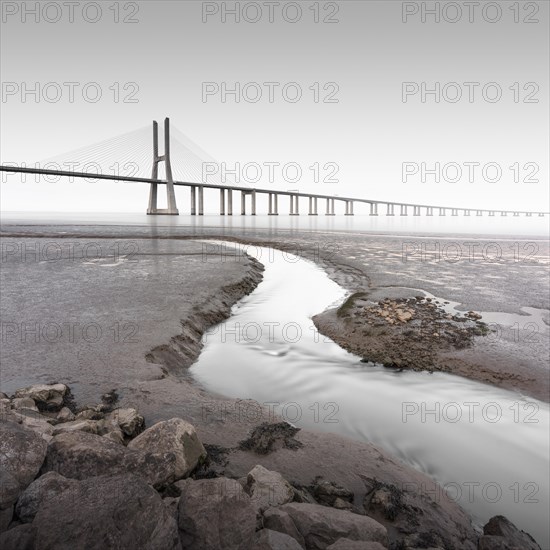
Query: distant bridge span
{"x": 226, "y": 193}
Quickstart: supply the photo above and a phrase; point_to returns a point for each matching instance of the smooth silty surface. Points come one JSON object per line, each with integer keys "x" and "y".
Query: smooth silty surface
{"x": 488, "y": 447}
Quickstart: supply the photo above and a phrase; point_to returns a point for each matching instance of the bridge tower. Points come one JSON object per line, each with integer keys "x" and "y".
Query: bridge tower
{"x": 170, "y": 195}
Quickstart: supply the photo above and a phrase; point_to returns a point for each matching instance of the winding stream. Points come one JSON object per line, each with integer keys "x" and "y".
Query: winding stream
{"x": 488, "y": 447}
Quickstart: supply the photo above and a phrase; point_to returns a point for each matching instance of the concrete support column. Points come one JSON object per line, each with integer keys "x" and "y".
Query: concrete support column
{"x": 310, "y": 206}
{"x": 229, "y": 202}
{"x": 454, "y": 212}
{"x": 222, "y": 202}
{"x": 491, "y": 213}
{"x": 416, "y": 210}
{"x": 479, "y": 213}
{"x": 291, "y": 205}
{"x": 276, "y": 205}
{"x": 201, "y": 200}
{"x": 442, "y": 212}
{"x": 516, "y": 213}
{"x": 390, "y": 210}
{"x": 373, "y": 209}
{"x": 328, "y": 208}
{"x": 270, "y": 207}
{"x": 528, "y": 214}
{"x": 253, "y": 213}
{"x": 429, "y": 211}
{"x": 193, "y": 200}
{"x": 243, "y": 203}
{"x": 332, "y": 207}
{"x": 404, "y": 210}
{"x": 503, "y": 213}
{"x": 466, "y": 212}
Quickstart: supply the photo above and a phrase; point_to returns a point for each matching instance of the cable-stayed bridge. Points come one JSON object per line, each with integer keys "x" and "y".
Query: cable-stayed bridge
{"x": 182, "y": 158}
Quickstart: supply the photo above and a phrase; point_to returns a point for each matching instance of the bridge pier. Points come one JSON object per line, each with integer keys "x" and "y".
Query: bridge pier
{"x": 429, "y": 211}
{"x": 153, "y": 191}
{"x": 373, "y": 209}
{"x": 229, "y": 202}
{"x": 243, "y": 203}
{"x": 273, "y": 207}
{"x": 313, "y": 206}
{"x": 479, "y": 213}
{"x": 454, "y": 211}
{"x": 222, "y": 202}
{"x": 201, "y": 200}
{"x": 416, "y": 210}
{"x": 193, "y": 200}
{"x": 253, "y": 212}
{"x": 516, "y": 213}
{"x": 403, "y": 210}
{"x": 349, "y": 208}
{"x": 442, "y": 212}
{"x": 491, "y": 212}
{"x": 294, "y": 205}
{"x": 504, "y": 213}
{"x": 390, "y": 210}
{"x": 528, "y": 214}
{"x": 466, "y": 212}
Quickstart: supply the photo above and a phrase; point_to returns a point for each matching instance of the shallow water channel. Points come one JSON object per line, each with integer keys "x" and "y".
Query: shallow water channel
{"x": 487, "y": 447}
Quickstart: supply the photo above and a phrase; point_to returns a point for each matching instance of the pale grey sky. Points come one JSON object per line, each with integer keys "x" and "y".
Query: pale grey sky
{"x": 368, "y": 131}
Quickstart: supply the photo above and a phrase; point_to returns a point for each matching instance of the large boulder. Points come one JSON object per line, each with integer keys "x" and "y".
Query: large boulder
{"x": 266, "y": 539}
{"x": 319, "y": 526}
{"x": 18, "y": 538}
{"x": 214, "y": 514}
{"x": 46, "y": 396}
{"x": 267, "y": 488}
{"x": 499, "y": 533}
{"x": 80, "y": 455}
{"x": 106, "y": 512}
{"x": 22, "y": 453}
{"x": 40, "y": 490}
{"x": 173, "y": 436}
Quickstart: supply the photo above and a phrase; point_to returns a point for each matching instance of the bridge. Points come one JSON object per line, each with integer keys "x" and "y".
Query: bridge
{"x": 197, "y": 193}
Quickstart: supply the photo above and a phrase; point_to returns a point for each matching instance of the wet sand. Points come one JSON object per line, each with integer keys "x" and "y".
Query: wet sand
{"x": 152, "y": 311}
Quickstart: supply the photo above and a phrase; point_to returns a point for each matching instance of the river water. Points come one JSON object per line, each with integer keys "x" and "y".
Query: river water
{"x": 487, "y": 447}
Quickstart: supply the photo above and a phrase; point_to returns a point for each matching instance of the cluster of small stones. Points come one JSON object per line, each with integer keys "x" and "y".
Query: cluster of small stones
{"x": 426, "y": 315}
{"x": 97, "y": 478}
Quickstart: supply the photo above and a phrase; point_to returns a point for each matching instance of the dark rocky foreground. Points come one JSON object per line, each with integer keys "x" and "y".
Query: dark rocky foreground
{"x": 96, "y": 477}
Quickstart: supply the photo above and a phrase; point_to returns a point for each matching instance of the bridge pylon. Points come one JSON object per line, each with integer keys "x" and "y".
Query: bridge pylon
{"x": 170, "y": 195}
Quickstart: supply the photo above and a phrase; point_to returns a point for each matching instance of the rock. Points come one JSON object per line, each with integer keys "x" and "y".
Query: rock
{"x": 34, "y": 421}
{"x": 39, "y": 491}
{"x": 46, "y": 397}
{"x": 214, "y": 514}
{"x": 5, "y": 518}
{"x": 89, "y": 426}
{"x": 331, "y": 494}
{"x": 348, "y": 544}
{"x": 129, "y": 421}
{"x": 22, "y": 453}
{"x": 119, "y": 511}
{"x": 267, "y": 438}
{"x": 24, "y": 403}
{"x": 499, "y": 533}
{"x": 89, "y": 414}
{"x": 65, "y": 415}
{"x": 173, "y": 436}
{"x": 116, "y": 436}
{"x": 267, "y": 488}
{"x": 320, "y": 526}
{"x": 81, "y": 455}
{"x": 17, "y": 538}
{"x": 266, "y": 539}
